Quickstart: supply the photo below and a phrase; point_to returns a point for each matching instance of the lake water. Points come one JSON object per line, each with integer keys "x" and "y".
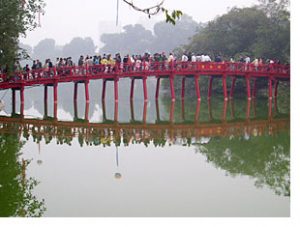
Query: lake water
{"x": 144, "y": 159}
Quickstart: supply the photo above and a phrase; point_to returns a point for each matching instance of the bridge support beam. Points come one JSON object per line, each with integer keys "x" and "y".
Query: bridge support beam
{"x": 232, "y": 87}
{"x": 45, "y": 93}
{"x": 86, "y": 113}
{"x": 22, "y": 101}
{"x": 116, "y": 112}
{"x": 172, "y": 88}
{"x": 55, "y": 100}
{"x": 210, "y": 87}
{"x": 248, "y": 109}
{"x": 254, "y": 90}
{"x": 172, "y": 108}
{"x": 183, "y": 88}
{"x": 197, "y": 112}
{"x": 224, "y": 77}
{"x": 87, "y": 94}
{"x": 248, "y": 87}
{"x": 132, "y": 88}
{"x": 276, "y": 88}
{"x": 103, "y": 89}
{"x": 224, "y": 117}
{"x": 13, "y": 97}
{"x": 145, "y": 113}
{"x": 145, "y": 89}
{"x": 75, "y": 91}
{"x": 157, "y": 88}
{"x": 197, "y": 87}
{"x": 116, "y": 88}
{"x": 270, "y": 89}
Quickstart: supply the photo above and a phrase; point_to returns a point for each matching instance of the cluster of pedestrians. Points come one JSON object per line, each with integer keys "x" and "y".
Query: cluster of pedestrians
{"x": 109, "y": 63}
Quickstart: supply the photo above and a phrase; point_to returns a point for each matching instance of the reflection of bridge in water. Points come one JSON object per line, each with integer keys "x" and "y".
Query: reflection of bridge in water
{"x": 160, "y": 132}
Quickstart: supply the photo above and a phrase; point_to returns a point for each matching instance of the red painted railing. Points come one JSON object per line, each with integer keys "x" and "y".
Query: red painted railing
{"x": 147, "y": 69}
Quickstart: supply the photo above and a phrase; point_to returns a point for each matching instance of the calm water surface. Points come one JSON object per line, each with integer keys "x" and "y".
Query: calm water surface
{"x": 152, "y": 159}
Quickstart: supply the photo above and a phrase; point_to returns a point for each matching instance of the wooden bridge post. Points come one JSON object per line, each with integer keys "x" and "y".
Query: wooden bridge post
{"x": 157, "y": 88}
{"x": 45, "y": 93}
{"x": 86, "y": 113}
{"x": 87, "y": 94}
{"x": 196, "y": 77}
{"x": 270, "y": 89}
{"x": 145, "y": 89}
{"x": 182, "y": 110}
{"x": 172, "y": 88}
{"x": 276, "y": 88}
{"x": 132, "y": 88}
{"x": 254, "y": 91}
{"x": 270, "y": 107}
{"x": 248, "y": 109}
{"x": 248, "y": 87}
{"x": 210, "y": 87}
{"x": 13, "y": 96}
{"x": 224, "y": 77}
{"x": 232, "y": 87}
{"x": 157, "y": 110}
{"x": 183, "y": 88}
{"x": 116, "y": 90}
{"x": 145, "y": 113}
{"x": 103, "y": 89}
{"x": 22, "y": 100}
{"x": 116, "y": 112}
{"x": 75, "y": 91}
{"x": 55, "y": 100}
{"x": 132, "y": 110}
{"x": 172, "y": 108}
{"x": 197, "y": 111}
{"x": 224, "y": 117}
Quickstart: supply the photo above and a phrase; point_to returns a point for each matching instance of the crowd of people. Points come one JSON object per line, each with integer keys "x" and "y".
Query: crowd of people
{"x": 134, "y": 61}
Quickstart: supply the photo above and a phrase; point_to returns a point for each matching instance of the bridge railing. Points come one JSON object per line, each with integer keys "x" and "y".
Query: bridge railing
{"x": 151, "y": 67}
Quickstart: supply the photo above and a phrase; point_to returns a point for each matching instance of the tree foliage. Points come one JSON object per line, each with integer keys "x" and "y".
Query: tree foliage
{"x": 16, "y": 17}
{"x": 260, "y": 31}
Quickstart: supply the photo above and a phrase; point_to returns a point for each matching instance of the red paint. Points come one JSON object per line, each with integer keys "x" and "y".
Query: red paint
{"x": 172, "y": 88}
{"x": 145, "y": 89}
{"x": 103, "y": 89}
{"x": 116, "y": 83}
{"x": 232, "y": 86}
{"x": 248, "y": 88}
{"x": 210, "y": 87}
{"x": 157, "y": 88}
{"x": 224, "y": 87}
{"x": 75, "y": 91}
{"x": 183, "y": 87}
{"x": 87, "y": 94}
{"x": 132, "y": 88}
{"x": 197, "y": 88}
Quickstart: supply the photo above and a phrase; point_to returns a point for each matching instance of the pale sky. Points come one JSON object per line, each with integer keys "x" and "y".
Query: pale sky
{"x": 66, "y": 19}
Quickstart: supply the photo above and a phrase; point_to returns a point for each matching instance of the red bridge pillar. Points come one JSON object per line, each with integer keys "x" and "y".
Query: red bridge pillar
{"x": 116, "y": 90}
{"x": 87, "y": 94}
{"x": 116, "y": 112}
{"x": 157, "y": 88}
{"x": 248, "y": 87}
{"x": 55, "y": 100}
{"x": 22, "y": 100}
{"x": 172, "y": 88}
{"x": 86, "y": 113}
{"x": 232, "y": 86}
{"x": 270, "y": 89}
{"x": 210, "y": 87}
{"x": 254, "y": 91}
{"x": 224, "y": 87}
{"x": 45, "y": 93}
{"x": 183, "y": 87}
{"x": 132, "y": 88}
{"x": 248, "y": 109}
{"x": 13, "y": 97}
{"x": 197, "y": 87}
{"x": 276, "y": 88}
{"x": 145, "y": 89}
{"x": 75, "y": 91}
{"x": 197, "y": 111}
{"x": 145, "y": 113}
{"x": 103, "y": 89}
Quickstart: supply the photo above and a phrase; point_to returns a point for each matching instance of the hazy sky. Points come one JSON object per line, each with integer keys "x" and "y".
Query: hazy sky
{"x": 65, "y": 19}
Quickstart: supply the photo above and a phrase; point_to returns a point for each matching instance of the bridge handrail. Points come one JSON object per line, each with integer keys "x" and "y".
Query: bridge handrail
{"x": 146, "y": 67}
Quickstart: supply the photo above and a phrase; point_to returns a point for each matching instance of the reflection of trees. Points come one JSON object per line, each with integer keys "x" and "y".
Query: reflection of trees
{"x": 265, "y": 158}
{"x": 16, "y": 198}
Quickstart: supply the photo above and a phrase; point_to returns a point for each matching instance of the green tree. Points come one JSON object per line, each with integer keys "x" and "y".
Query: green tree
{"x": 16, "y": 18}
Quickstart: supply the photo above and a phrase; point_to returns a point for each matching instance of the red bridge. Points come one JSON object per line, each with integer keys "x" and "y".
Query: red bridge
{"x": 53, "y": 76}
